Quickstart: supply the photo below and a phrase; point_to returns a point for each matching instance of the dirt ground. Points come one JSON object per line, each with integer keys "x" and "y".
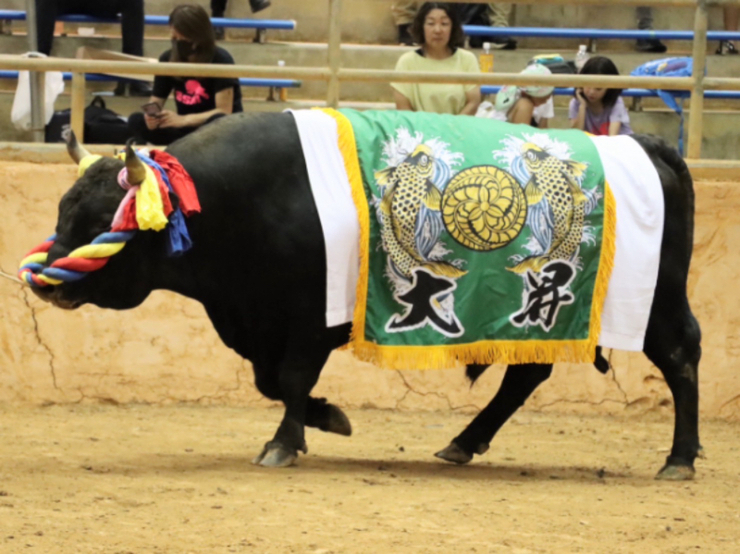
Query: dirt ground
{"x": 140, "y": 479}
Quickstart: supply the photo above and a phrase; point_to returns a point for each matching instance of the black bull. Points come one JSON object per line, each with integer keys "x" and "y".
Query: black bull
{"x": 258, "y": 268}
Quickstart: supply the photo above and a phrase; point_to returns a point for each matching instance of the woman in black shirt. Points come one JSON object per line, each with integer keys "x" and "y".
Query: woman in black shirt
{"x": 198, "y": 100}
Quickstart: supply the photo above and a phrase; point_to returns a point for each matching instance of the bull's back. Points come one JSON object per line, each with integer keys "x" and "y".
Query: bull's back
{"x": 678, "y": 195}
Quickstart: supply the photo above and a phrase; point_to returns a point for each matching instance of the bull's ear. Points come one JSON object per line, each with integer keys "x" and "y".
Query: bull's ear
{"x": 74, "y": 148}
{"x": 134, "y": 166}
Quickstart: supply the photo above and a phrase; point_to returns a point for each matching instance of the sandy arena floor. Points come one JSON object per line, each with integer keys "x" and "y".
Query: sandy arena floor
{"x": 140, "y": 479}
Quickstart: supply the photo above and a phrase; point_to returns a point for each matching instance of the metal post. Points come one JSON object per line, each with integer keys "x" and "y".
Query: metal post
{"x": 36, "y": 78}
{"x": 77, "y": 118}
{"x": 699, "y": 55}
{"x": 334, "y": 48}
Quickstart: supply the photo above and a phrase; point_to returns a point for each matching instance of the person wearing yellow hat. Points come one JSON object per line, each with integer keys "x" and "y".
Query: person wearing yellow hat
{"x": 531, "y": 105}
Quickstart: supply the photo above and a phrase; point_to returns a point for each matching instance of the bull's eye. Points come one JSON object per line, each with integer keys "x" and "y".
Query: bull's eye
{"x": 424, "y": 160}
{"x": 531, "y": 156}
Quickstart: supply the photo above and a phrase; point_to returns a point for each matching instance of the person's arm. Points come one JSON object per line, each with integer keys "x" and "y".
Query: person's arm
{"x": 402, "y": 103}
{"x": 472, "y": 101}
{"x": 579, "y": 121}
{"x": 473, "y": 95}
{"x": 152, "y": 122}
{"x": 618, "y": 117}
{"x": 614, "y": 128}
{"x": 544, "y": 123}
{"x": 402, "y": 91}
{"x": 224, "y": 105}
{"x": 521, "y": 112}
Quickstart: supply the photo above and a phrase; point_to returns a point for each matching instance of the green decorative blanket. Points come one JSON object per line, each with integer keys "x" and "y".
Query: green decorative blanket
{"x": 482, "y": 242}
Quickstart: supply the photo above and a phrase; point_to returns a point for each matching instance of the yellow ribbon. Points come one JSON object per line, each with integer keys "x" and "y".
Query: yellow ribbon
{"x": 86, "y": 162}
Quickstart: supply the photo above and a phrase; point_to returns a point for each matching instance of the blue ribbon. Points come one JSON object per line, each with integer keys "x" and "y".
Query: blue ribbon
{"x": 179, "y": 242}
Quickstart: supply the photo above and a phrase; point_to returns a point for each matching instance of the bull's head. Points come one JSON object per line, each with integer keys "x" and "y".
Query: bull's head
{"x": 86, "y": 211}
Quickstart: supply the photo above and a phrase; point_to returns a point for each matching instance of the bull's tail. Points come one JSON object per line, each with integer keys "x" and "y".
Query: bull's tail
{"x": 473, "y": 371}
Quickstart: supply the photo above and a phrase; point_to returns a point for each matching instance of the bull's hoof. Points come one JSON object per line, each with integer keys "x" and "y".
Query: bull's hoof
{"x": 454, "y": 454}
{"x": 336, "y": 422}
{"x": 276, "y": 455}
{"x": 676, "y": 473}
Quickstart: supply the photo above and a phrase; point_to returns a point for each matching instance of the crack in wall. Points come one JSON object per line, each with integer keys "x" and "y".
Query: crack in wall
{"x": 588, "y": 402}
{"x": 52, "y": 369}
{"x": 614, "y": 377}
{"x": 225, "y": 391}
{"x": 410, "y": 390}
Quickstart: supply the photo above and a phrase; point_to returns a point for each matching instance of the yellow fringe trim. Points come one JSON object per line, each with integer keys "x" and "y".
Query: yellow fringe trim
{"x": 481, "y": 352}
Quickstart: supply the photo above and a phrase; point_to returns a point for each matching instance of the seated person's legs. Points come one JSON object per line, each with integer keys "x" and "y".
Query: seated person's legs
{"x": 46, "y": 14}
{"x": 403, "y": 16}
{"x": 500, "y": 15}
{"x": 132, "y": 34}
{"x": 645, "y": 22}
{"x": 218, "y": 9}
{"x": 132, "y": 25}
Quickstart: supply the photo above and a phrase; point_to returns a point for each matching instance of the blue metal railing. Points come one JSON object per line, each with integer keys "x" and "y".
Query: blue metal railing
{"x": 282, "y": 24}
{"x": 636, "y": 92}
{"x": 245, "y": 82}
{"x": 546, "y": 32}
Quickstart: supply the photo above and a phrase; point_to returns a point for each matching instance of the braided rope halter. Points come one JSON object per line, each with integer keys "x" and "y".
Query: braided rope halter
{"x": 76, "y": 264}
{"x": 83, "y": 260}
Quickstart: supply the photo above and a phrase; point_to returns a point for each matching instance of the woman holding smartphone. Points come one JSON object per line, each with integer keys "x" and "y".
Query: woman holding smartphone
{"x": 198, "y": 100}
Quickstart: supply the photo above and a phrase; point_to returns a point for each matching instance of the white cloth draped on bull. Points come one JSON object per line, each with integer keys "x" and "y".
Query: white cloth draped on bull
{"x": 492, "y": 242}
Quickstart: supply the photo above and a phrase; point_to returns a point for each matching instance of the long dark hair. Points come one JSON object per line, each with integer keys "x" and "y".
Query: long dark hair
{"x": 601, "y": 65}
{"x": 192, "y": 22}
{"x": 457, "y": 36}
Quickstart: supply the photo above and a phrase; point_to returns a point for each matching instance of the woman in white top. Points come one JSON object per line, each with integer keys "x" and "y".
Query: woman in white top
{"x": 437, "y": 28}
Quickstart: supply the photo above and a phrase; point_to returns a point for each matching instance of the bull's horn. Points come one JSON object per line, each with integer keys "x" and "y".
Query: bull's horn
{"x": 134, "y": 166}
{"x": 75, "y": 149}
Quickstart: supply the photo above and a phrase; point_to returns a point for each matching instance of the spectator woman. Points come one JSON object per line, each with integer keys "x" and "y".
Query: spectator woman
{"x": 599, "y": 110}
{"x": 437, "y": 28}
{"x": 198, "y": 100}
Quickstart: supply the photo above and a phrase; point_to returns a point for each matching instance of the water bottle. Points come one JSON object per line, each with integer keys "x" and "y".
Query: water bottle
{"x": 581, "y": 57}
{"x": 486, "y": 59}
{"x": 282, "y": 91}
{"x": 277, "y": 93}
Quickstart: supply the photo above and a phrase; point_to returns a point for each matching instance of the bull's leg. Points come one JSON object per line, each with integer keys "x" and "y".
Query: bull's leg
{"x": 319, "y": 413}
{"x": 297, "y": 374}
{"x": 519, "y": 382}
{"x": 672, "y": 343}
{"x": 327, "y": 417}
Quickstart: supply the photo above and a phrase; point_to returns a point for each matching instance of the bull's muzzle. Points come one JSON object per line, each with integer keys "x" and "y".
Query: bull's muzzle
{"x": 53, "y": 295}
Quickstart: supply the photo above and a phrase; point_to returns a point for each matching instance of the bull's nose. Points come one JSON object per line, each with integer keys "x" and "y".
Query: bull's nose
{"x": 53, "y": 295}
{"x": 43, "y": 294}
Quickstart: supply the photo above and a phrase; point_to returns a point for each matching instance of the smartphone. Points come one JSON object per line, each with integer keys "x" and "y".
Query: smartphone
{"x": 152, "y": 109}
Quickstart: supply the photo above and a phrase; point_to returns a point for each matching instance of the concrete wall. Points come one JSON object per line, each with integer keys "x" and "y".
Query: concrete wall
{"x": 167, "y": 351}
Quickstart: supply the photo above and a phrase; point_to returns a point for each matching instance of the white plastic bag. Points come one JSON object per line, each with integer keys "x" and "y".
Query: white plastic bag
{"x": 20, "y": 114}
{"x": 489, "y": 111}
